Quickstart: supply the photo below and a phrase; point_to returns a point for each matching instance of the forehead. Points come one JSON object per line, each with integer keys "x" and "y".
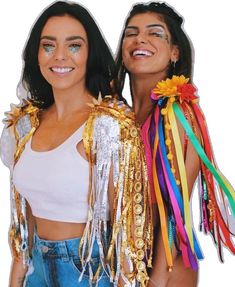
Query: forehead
{"x": 144, "y": 19}
{"x": 63, "y": 25}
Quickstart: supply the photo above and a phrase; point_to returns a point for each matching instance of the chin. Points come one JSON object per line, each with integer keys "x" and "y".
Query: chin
{"x": 136, "y": 69}
{"x": 140, "y": 71}
{"x": 60, "y": 86}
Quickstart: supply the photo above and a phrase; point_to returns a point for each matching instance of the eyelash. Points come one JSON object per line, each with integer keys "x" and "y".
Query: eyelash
{"x": 131, "y": 34}
{"x": 160, "y": 35}
{"x": 157, "y": 34}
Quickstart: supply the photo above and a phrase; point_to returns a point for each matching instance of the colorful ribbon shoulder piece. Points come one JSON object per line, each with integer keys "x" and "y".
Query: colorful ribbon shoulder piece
{"x": 166, "y": 152}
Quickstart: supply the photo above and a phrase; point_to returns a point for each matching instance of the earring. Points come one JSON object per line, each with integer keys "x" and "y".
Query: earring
{"x": 174, "y": 63}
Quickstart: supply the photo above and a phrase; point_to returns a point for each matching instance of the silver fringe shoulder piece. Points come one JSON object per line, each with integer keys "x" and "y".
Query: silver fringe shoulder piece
{"x": 114, "y": 150}
{"x": 20, "y": 123}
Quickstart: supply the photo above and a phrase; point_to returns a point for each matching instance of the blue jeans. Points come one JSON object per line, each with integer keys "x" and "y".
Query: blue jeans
{"x": 57, "y": 264}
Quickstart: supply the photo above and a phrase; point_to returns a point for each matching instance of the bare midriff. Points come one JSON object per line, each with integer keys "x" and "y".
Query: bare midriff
{"x": 56, "y": 230}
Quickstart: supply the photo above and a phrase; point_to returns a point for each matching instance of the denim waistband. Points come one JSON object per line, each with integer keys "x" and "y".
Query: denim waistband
{"x": 63, "y": 249}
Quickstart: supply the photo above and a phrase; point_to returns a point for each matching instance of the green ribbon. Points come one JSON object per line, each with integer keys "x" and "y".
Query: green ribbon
{"x": 199, "y": 149}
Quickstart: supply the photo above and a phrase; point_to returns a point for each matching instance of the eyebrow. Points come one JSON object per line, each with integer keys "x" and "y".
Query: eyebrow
{"x": 148, "y": 26}
{"x": 71, "y": 38}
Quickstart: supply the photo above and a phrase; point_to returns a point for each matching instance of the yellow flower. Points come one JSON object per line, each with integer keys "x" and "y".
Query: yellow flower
{"x": 169, "y": 87}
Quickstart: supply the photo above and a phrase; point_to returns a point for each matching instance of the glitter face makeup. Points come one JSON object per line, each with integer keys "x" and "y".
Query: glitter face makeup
{"x": 50, "y": 46}
{"x": 63, "y": 52}
{"x": 74, "y": 48}
{"x": 152, "y": 30}
{"x": 146, "y": 46}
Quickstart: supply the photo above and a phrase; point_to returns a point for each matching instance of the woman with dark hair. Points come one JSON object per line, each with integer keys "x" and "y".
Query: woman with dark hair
{"x": 99, "y": 64}
{"x": 79, "y": 191}
{"x": 156, "y": 54}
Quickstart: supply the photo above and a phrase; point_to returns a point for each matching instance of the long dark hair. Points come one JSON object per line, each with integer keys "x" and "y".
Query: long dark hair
{"x": 100, "y": 63}
{"x": 178, "y": 37}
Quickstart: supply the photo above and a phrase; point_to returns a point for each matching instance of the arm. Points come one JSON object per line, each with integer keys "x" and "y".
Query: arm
{"x": 160, "y": 276}
{"x": 10, "y": 152}
{"x": 7, "y": 150}
{"x": 18, "y": 270}
{"x": 180, "y": 275}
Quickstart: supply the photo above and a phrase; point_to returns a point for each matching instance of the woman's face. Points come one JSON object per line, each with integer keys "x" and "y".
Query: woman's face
{"x": 147, "y": 47}
{"x": 63, "y": 52}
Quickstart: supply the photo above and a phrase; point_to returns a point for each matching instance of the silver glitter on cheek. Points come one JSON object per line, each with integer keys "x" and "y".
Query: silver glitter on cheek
{"x": 48, "y": 48}
{"x": 74, "y": 48}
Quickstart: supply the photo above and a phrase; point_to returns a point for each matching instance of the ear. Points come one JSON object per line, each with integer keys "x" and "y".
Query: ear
{"x": 175, "y": 53}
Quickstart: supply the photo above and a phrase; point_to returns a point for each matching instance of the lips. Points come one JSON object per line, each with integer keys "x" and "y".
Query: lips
{"x": 142, "y": 53}
{"x": 61, "y": 70}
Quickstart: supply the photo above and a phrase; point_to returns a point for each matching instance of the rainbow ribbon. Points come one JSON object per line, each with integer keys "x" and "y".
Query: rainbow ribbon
{"x": 171, "y": 197}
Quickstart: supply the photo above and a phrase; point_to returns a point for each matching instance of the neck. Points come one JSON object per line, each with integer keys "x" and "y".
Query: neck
{"x": 141, "y": 87}
{"x": 70, "y": 101}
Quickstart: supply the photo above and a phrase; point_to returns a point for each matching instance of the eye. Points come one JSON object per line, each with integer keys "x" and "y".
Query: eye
{"x": 130, "y": 33}
{"x": 48, "y": 47}
{"x": 159, "y": 34}
{"x": 74, "y": 47}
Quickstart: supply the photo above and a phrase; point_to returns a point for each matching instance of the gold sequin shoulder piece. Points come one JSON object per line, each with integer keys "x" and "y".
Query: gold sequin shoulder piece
{"x": 112, "y": 143}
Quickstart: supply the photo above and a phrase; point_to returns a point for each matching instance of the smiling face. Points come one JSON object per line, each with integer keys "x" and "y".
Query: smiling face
{"x": 63, "y": 52}
{"x": 147, "y": 47}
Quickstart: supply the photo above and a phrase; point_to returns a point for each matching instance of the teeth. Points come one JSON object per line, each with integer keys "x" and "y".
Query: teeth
{"x": 142, "y": 53}
{"x": 61, "y": 70}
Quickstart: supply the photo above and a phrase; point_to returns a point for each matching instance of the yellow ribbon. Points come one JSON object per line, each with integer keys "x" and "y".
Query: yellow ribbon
{"x": 164, "y": 226}
{"x": 182, "y": 172}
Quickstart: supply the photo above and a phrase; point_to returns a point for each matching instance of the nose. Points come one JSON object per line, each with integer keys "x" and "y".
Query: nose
{"x": 141, "y": 39}
{"x": 60, "y": 53}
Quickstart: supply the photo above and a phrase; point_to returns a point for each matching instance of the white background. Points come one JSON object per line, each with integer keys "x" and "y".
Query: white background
{"x": 210, "y": 25}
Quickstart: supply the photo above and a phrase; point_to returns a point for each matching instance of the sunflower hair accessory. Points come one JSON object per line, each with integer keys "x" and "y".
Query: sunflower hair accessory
{"x": 176, "y": 88}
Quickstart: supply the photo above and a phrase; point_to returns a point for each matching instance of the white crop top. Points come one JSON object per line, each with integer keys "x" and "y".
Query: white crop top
{"x": 55, "y": 182}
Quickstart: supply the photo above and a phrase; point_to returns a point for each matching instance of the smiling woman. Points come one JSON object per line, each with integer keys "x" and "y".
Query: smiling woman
{"x": 62, "y": 59}
{"x": 80, "y": 47}
{"x": 147, "y": 29}
{"x": 156, "y": 54}
{"x": 70, "y": 154}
